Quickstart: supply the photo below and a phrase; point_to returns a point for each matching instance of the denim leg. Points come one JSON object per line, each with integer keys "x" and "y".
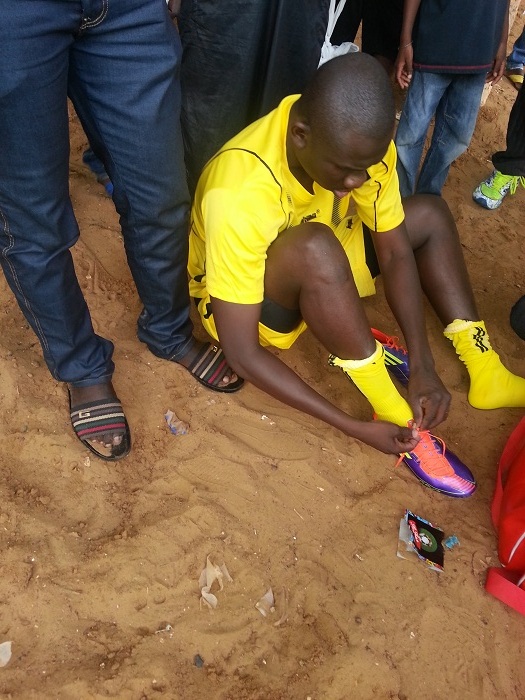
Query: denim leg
{"x": 422, "y": 98}
{"x": 454, "y": 125}
{"x": 37, "y": 224}
{"x": 124, "y": 83}
{"x": 516, "y": 58}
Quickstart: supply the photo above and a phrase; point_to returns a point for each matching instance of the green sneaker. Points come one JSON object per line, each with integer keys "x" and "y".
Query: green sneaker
{"x": 491, "y": 192}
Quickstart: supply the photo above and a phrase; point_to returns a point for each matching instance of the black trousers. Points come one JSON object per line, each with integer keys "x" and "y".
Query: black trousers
{"x": 512, "y": 161}
{"x": 240, "y": 58}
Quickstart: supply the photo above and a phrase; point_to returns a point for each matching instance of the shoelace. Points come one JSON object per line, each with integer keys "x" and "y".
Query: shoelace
{"x": 518, "y": 180}
{"x": 502, "y": 183}
{"x": 434, "y": 462}
{"x": 393, "y": 343}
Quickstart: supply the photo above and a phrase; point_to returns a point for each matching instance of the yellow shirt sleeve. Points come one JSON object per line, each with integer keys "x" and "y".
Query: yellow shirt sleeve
{"x": 240, "y": 225}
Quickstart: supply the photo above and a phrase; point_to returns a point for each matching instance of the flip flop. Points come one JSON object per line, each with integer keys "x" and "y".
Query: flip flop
{"x": 515, "y": 76}
{"x": 209, "y": 367}
{"x": 93, "y": 419}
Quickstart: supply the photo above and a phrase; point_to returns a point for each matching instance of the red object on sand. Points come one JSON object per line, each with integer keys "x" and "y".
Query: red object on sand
{"x": 508, "y": 516}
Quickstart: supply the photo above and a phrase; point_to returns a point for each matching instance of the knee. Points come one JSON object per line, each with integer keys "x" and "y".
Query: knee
{"x": 426, "y": 207}
{"x": 427, "y": 213}
{"x": 321, "y": 254}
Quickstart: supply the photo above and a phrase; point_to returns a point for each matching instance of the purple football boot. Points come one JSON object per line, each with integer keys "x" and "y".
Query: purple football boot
{"x": 396, "y": 357}
{"x": 439, "y": 468}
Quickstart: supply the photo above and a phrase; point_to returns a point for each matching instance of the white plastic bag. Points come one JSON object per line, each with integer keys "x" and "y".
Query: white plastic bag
{"x": 329, "y": 51}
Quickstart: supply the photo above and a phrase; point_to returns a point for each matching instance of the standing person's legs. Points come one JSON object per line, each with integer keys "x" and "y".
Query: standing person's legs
{"x": 516, "y": 58}
{"x": 512, "y": 160}
{"x": 455, "y": 120}
{"x": 514, "y": 66}
{"x": 124, "y": 83}
{"x": 38, "y": 226}
{"x": 423, "y": 95}
{"x": 37, "y": 222}
{"x": 509, "y": 165}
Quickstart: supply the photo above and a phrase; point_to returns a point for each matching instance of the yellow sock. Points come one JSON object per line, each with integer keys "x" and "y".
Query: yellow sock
{"x": 491, "y": 384}
{"x": 372, "y": 379}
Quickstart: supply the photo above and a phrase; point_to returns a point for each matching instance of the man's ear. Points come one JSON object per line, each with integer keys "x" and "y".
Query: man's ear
{"x": 300, "y": 133}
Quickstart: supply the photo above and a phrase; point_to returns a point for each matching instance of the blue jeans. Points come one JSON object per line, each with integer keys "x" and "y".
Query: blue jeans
{"x": 516, "y": 58}
{"x": 454, "y": 101}
{"x": 118, "y": 60}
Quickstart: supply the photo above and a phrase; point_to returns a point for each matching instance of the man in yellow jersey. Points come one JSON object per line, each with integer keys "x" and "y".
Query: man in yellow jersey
{"x": 273, "y": 251}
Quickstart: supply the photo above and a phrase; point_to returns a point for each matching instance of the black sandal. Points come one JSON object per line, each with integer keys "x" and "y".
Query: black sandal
{"x": 209, "y": 367}
{"x": 92, "y": 420}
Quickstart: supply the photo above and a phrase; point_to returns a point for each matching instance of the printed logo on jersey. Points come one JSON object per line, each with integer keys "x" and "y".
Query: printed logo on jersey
{"x": 309, "y": 217}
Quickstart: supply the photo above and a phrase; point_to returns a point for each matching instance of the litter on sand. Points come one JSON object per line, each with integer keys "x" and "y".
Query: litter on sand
{"x": 267, "y": 605}
{"x": 5, "y": 653}
{"x": 451, "y": 542}
{"x": 418, "y": 538}
{"x": 212, "y": 575}
{"x": 177, "y": 426}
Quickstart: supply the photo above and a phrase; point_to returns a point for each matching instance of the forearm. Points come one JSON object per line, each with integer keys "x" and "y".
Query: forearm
{"x": 505, "y": 29}
{"x": 410, "y": 11}
{"x": 238, "y": 329}
{"x": 268, "y": 373}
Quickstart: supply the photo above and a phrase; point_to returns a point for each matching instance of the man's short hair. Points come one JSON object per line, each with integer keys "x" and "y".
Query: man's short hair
{"x": 349, "y": 93}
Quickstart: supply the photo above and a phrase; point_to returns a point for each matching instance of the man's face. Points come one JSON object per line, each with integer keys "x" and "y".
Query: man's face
{"x": 340, "y": 164}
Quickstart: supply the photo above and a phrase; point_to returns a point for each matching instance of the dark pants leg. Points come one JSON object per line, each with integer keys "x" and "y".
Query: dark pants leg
{"x": 512, "y": 161}
{"x": 118, "y": 61}
{"x": 240, "y": 60}
{"x": 124, "y": 83}
{"x": 37, "y": 224}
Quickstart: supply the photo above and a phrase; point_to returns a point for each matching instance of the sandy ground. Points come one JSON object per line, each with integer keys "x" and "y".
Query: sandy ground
{"x": 99, "y": 586}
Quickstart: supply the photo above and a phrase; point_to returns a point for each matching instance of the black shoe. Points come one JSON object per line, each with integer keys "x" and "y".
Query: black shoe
{"x": 517, "y": 318}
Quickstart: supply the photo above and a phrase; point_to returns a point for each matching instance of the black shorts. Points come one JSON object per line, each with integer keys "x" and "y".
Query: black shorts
{"x": 283, "y": 320}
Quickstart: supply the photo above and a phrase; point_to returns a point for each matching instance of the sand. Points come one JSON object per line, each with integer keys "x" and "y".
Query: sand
{"x": 99, "y": 587}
